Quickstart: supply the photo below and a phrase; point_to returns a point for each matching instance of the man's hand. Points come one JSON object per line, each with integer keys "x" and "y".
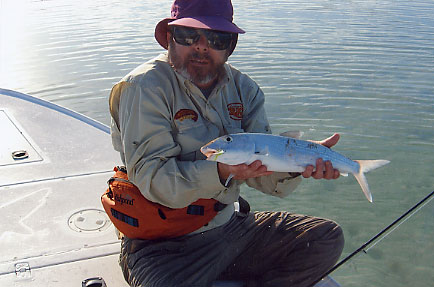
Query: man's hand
{"x": 242, "y": 171}
{"x": 323, "y": 169}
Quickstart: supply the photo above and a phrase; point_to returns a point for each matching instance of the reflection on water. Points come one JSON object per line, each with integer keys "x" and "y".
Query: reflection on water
{"x": 362, "y": 68}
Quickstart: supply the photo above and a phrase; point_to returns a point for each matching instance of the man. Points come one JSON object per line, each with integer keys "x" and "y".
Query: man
{"x": 163, "y": 112}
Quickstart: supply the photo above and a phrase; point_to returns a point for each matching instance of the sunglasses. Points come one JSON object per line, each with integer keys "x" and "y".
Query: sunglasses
{"x": 188, "y": 36}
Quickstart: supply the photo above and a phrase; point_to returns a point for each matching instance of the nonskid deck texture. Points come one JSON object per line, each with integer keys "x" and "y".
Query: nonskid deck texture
{"x": 54, "y": 165}
{"x": 52, "y": 223}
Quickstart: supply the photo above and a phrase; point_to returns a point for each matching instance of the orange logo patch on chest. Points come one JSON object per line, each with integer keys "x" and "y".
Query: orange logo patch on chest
{"x": 185, "y": 114}
{"x": 236, "y": 111}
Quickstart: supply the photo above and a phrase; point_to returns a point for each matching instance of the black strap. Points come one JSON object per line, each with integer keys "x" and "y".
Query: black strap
{"x": 218, "y": 206}
{"x": 200, "y": 209}
{"x": 125, "y": 218}
{"x": 196, "y": 210}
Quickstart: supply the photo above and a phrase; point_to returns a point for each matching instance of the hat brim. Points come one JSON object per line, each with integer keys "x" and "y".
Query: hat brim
{"x": 161, "y": 32}
{"x": 206, "y": 22}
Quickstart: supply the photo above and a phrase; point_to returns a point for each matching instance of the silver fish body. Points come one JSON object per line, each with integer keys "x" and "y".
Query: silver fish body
{"x": 285, "y": 154}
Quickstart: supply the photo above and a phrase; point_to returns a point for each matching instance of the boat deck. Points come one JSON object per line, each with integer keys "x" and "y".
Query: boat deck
{"x": 54, "y": 165}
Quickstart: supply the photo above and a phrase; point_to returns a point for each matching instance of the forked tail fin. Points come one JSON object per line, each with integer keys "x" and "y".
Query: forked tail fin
{"x": 365, "y": 166}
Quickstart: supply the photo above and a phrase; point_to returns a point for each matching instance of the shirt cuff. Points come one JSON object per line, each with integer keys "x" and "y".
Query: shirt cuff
{"x": 210, "y": 180}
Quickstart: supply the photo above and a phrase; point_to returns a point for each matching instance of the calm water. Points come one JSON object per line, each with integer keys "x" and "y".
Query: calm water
{"x": 362, "y": 68}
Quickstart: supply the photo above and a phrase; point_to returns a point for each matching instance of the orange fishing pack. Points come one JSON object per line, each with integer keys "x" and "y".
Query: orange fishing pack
{"x": 136, "y": 217}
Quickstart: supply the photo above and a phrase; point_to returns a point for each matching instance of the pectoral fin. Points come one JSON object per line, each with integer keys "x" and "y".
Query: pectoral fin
{"x": 263, "y": 152}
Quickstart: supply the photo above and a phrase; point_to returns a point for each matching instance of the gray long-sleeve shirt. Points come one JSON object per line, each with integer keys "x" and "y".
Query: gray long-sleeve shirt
{"x": 159, "y": 122}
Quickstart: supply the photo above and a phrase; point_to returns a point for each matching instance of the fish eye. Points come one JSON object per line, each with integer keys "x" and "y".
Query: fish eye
{"x": 228, "y": 139}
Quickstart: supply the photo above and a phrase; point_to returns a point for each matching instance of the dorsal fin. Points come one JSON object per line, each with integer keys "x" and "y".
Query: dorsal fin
{"x": 292, "y": 134}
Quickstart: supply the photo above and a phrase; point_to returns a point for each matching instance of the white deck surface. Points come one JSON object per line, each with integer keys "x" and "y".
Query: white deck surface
{"x": 51, "y": 218}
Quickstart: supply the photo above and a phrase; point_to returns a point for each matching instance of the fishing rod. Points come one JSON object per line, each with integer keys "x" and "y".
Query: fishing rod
{"x": 386, "y": 231}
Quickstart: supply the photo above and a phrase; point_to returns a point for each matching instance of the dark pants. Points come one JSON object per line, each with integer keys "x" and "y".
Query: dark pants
{"x": 262, "y": 248}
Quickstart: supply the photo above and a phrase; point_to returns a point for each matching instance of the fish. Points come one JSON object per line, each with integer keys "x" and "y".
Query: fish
{"x": 283, "y": 153}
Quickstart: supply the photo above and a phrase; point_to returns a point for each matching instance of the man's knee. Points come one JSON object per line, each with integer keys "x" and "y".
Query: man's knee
{"x": 335, "y": 240}
{"x": 338, "y": 236}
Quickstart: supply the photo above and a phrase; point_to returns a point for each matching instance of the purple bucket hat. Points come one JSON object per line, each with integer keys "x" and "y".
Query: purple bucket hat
{"x": 201, "y": 14}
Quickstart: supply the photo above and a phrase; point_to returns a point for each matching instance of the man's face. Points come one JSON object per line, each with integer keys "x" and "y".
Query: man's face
{"x": 197, "y": 62}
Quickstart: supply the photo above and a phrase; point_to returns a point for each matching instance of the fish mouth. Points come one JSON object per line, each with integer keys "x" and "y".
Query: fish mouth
{"x": 211, "y": 153}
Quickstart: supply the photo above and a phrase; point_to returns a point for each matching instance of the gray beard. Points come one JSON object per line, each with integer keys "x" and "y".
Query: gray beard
{"x": 198, "y": 78}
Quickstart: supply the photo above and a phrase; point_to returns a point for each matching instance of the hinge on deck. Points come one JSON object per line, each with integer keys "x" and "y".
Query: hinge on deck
{"x": 93, "y": 282}
{"x": 22, "y": 270}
